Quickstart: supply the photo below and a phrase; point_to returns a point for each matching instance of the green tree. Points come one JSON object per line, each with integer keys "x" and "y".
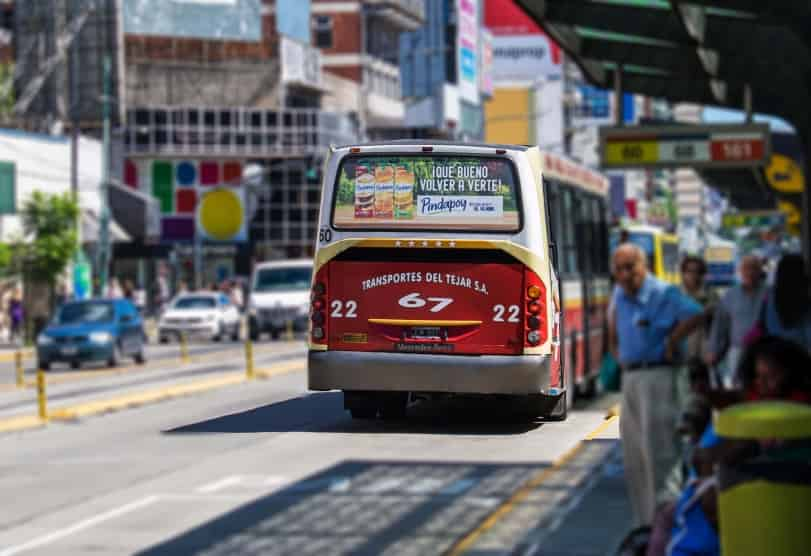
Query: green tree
{"x": 50, "y": 242}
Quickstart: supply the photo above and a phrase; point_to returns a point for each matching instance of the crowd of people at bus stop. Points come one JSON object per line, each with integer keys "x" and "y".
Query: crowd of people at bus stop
{"x": 686, "y": 352}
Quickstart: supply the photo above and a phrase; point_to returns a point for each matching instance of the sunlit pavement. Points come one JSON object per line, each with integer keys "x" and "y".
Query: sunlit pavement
{"x": 268, "y": 468}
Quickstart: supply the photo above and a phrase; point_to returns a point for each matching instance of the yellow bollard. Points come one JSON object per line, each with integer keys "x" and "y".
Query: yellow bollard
{"x": 184, "y": 348}
{"x": 289, "y": 326}
{"x": 249, "y": 372}
{"x": 42, "y": 399}
{"x": 18, "y": 366}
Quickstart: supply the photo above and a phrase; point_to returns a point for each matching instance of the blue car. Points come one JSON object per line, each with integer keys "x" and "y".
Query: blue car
{"x": 92, "y": 330}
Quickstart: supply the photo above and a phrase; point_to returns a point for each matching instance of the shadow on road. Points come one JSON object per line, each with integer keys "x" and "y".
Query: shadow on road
{"x": 323, "y": 412}
{"x": 360, "y": 507}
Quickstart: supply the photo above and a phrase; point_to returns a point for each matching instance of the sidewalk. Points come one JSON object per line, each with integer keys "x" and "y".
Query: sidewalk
{"x": 579, "y": 508}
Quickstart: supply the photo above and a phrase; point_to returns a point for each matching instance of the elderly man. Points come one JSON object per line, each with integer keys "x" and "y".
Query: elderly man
{"x": 650, "y": 320}
{"x": 734, "y": 317}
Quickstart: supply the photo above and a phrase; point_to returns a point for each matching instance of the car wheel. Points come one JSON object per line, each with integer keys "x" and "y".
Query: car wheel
{"x": 139, "y": 357}
{"x": 44, "y": 365}
{"x": 115, "y": 357}
{"x": 163, "y": 340}
{"x": 561, "y": 409}
{"x": 75, "y": 365}
{"x": 235, "y": 333}
{"x": 275, "y": 334}
{"x": 220, "y": 333}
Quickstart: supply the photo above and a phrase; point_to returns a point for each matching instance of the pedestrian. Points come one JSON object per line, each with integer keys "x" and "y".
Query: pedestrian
{"x": 693, "y": 271}
{"x": 114, "y": 289}
{"x": 15, "y": 316}
{"x": 734, "y": 317}
{"x": 787, "y": 312}
{"x": 650, "y": 320}
{"x": 236, "y": 295}
{"x": 128, "y": 290}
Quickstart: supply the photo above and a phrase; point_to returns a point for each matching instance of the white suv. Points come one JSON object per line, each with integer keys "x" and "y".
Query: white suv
{"x": 280, "y": 293}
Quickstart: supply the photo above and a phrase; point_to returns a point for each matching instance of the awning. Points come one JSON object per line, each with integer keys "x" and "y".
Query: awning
{"x": 91, "y": 226}
{"x": 137, "y": 213}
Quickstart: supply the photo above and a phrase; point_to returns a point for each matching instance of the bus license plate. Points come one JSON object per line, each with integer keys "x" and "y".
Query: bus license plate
{"x": 425, "y": 332}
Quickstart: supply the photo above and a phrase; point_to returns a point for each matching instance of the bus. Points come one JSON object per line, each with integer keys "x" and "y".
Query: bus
{"x": 661, "y": 249}
{"x": 577, "y": 201}
{"x": 438, "y": 271}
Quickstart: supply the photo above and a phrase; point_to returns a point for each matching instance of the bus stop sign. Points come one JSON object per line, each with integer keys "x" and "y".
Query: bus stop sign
{"x": 699, "y": 146}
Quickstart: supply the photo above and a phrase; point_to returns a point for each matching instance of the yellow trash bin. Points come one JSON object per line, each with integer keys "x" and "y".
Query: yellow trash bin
{"x": 764, "y": 504}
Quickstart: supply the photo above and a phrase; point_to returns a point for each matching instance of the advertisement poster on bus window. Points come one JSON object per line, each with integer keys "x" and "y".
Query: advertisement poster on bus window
{"x": 425, "y": 193}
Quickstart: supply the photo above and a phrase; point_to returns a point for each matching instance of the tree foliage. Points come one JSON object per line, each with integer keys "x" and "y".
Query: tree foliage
{"x": 50, "y": 242}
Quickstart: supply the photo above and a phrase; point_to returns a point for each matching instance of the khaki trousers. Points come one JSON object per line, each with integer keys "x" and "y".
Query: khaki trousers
{"x": 648, "y": 429}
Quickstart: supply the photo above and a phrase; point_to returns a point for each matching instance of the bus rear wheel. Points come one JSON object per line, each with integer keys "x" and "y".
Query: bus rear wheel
{"x": 361, "y": 405}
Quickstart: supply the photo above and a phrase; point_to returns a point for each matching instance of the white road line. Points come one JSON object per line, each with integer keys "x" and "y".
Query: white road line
{"x": 80, "y": 526}
{"x": 219, "y": 485}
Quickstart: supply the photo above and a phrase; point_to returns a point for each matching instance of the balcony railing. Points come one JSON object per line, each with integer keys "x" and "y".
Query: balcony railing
{"x": 414, "y": 9}
{"x": 234, "y": 131}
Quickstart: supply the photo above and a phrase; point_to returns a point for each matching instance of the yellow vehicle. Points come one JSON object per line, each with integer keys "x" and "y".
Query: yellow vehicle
{"x": 661, "y": 249}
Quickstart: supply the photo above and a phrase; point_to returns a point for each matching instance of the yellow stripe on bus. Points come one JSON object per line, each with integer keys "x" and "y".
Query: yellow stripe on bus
{"x": 417, "y": 322}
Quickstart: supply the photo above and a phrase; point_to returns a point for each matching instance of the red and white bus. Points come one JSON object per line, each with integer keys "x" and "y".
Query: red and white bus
{"x": 577, "y": 199}
{"x": 435, "y": 274}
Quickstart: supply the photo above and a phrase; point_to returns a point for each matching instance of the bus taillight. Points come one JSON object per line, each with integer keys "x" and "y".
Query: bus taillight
{"x": 318, "y": 307}
{"x": 535, "y": 324}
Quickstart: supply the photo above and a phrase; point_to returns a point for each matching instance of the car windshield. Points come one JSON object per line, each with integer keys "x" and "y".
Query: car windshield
{"x": 187, "y": 303}
{"x": 283, "y": 279}
{"x": 88, "y": 312}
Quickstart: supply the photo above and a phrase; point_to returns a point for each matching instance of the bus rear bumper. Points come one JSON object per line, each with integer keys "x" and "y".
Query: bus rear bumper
{"x": 406, "y": 372}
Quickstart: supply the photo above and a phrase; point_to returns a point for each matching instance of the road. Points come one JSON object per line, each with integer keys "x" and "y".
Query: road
{"x": 266, "y": 467}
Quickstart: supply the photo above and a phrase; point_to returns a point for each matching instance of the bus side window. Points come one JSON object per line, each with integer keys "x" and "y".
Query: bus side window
{"x": 552, "y": 204}
{"x": 568, "y": 237}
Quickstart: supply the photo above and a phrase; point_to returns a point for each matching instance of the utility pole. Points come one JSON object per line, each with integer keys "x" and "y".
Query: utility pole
{"x": 104, "y": 220}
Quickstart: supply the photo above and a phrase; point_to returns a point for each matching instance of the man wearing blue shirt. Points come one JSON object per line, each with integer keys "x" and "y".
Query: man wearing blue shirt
{"x": 650, "y": 320}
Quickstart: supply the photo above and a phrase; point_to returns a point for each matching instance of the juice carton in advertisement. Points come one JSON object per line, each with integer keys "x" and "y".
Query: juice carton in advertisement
{"x": 404, "y": 192}
{"x": 384, "y": 191}
{"x": 364, "y": 192}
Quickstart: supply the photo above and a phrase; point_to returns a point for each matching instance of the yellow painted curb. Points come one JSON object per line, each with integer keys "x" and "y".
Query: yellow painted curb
{"x": 23, "y": 422}
{"x": 9, "y": 357}
{"x": 152, "y": 396}
{"x": 613, "y": 411}
{"x": 142, "y": 398}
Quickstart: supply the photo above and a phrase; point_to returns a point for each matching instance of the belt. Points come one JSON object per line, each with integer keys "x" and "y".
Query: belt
{"x": 646, "y": 365}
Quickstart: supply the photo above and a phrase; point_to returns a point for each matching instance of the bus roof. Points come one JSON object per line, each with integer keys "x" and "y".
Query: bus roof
{"x": 437, "y": 142}
{"x": 566, "y": 170}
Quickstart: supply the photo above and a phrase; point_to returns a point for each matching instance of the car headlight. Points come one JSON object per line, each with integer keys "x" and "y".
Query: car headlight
{"x": 100, "y": 337}
{"x": 44, "y": 340}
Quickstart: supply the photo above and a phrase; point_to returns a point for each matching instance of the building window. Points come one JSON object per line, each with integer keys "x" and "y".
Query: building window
{"x": 323, "y": 31}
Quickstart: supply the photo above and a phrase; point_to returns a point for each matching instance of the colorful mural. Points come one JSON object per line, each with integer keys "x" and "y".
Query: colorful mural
{"x": 202, "y": 198}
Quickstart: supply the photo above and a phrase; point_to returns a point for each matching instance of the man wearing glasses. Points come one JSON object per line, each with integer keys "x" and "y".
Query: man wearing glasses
{"x": 650, "y": 320}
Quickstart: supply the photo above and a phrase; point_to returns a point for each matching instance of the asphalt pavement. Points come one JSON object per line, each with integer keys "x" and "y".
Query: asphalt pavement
{"x": 266, "y": 467}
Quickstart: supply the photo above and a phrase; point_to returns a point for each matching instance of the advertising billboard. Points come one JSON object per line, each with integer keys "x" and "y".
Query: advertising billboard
{"x": 467, "y": 45}
{"x": 522, "y": 52}
{"x": 237, "y": 20}
{"x": 426, "y": 193}
{"x": 486, "y": 65}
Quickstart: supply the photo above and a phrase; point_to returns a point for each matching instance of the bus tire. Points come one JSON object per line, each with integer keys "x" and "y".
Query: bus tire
{"x": 393, "y": 406}
{"x": 361, "y": 405}
{"x": 560, "y": 410}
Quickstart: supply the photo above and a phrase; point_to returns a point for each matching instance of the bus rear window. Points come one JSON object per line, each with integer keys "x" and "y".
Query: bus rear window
{"x": 426, "y": 193}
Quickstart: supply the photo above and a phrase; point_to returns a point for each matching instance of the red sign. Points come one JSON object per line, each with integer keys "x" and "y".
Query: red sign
{"x": 504, "y": 17}
{"x": 735, "y": 150}
{"x": 452, "y": 308}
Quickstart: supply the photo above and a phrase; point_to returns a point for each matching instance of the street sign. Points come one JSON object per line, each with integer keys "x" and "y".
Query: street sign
{"x": 749, "y": 219}
{"x": 704, "y": 146}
